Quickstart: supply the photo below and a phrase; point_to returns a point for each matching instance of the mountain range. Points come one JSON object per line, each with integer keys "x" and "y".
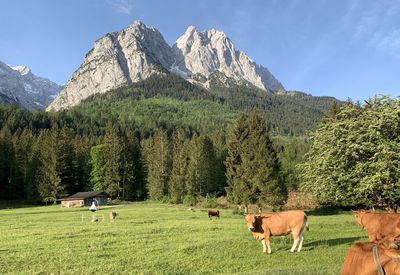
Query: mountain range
{"x": 18, "y": 85}
{"x": 137, "y": 52}
{"x": 201, "y": 82}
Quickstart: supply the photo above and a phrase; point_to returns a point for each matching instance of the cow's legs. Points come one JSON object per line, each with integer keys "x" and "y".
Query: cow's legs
{"x": 301, "y": 242}
{"x": 266, "y": 245}
{"x": 295, "y": 242}
{"x": 301, "y": 235}
{"x": 269, "y": 246}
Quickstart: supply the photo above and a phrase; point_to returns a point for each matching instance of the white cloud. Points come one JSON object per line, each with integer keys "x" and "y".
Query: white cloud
{"x": 122, "y": 6}
{"x": 377, "y": 27}
{"x": 390, "y": 42}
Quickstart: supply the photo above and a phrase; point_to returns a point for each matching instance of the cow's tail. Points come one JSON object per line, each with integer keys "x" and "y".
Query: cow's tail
{"x": 306, "y": 222}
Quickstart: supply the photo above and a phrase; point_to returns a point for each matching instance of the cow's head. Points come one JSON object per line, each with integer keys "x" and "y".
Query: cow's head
{"x": 359, "y": 214}
{"x": 252, "y": 220}
{"x": 391, "y": 247}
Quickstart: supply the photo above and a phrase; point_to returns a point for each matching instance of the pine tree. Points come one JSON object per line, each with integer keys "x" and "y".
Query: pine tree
{"x": 179, "y": 173}
{"x": 7, "y": 165}
{"x": 97, "y": 173}
{"x": 252, "y": 164}
{"x": 66, "y": 160}
{"x": 50, "y": 185}
{"x": 202, "y": 166}
{"x": 262, "y": 164}
{"x": 128, "y": 167}
{"x": 23, "y": 144}
{"x": 240, "y": 189}
{"x": 82, "y": 146}
{"x": 158, "y": 163}
{"x": 113, "y": 161}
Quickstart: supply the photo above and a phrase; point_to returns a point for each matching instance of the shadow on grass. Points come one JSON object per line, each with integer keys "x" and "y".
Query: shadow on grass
{"x": 332, "y": 242}
{"x": 325, "y": 212}
{"x": 17, "y": 204}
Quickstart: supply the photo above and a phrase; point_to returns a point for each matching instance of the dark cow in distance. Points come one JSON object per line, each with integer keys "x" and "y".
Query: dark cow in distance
{"x": 373, "y": 258}
{"x": 378, "y": 225}
{"x": 265, "y": 225}
{"x": 212, "y": 213}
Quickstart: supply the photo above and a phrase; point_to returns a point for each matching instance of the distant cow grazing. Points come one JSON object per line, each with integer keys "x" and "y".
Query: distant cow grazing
{"x": 265, "y": 225}
{"x": 113, "y": 216}
{"x": 212, "y": 213}
{"x": 378, "y": 225}
{"x": 373, "y": 258}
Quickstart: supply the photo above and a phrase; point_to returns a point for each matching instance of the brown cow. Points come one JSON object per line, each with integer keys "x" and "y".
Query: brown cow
{"x": 212, "y": 213}
{"x": 378, "y": 225}
{"x": 113, "y": 216}
{"x": 362, "y": 260}
{"x": 265, "y": 225}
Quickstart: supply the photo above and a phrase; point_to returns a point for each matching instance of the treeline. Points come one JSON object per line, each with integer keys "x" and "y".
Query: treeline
{"x": 46, "y": 156}
{"x": 288, "y": 114}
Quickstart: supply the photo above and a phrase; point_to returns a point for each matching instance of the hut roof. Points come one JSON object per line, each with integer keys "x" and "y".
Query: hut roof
{"x": 85, "y": 195}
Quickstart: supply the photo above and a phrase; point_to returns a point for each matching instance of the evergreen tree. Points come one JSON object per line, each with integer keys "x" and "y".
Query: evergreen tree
{"x": 240, "y": 189}
{"x": 202, "y": 166}
{"x": 50, "y": 185}
{"x": 23, "y": 144}
{"x": 97, "y": 173}
{"x": 179, "y": 174}
{"x": 128, "y": 166}
{"x": 82, "y": 147}
{"x": 66, "y": 160}
{"x": 252, "y": 164}
{"x": 261, "y": 163}
{"x": 7, "y": 164}
{"x": 158, "y": 162}
{"x": 113, "y": 161}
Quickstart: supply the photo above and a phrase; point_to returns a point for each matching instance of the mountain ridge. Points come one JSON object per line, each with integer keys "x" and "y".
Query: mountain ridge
{"x": 136, "y": 52}
{"x": 18, "y": 85}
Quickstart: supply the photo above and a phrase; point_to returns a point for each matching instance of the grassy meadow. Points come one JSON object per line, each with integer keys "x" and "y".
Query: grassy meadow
{"x": 151, "y": 238}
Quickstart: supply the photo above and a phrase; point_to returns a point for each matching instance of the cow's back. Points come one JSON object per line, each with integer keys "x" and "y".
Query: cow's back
{"x": 359, "y": 260}
{"x": 282, "y": 223}
{"x": 380, "y": 225}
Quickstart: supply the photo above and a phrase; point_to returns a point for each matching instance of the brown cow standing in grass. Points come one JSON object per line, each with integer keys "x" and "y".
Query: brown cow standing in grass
{"x": 212, "y": 213}
{"x": 373, "y": 258}
{"x": 113, "y": 216}
{"x": 378, "y": 225}
{"x": 265, "y": 225}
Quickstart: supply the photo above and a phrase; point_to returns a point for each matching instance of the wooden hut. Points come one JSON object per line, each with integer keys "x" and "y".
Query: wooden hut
{"x": 81, "y": 199}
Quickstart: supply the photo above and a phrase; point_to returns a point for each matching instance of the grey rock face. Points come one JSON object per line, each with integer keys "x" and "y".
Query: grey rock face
{"x": 135, "y": 53}
{"x": 117, "y": 59}
{"x": 18, "y": 85}
{"x": 211, "y": 51}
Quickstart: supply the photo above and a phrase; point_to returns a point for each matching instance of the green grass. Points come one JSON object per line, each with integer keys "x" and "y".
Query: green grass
{"x": 152, "y": 238}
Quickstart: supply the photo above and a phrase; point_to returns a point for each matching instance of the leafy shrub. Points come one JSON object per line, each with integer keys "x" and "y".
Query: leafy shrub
{"x": 190, "y": 200}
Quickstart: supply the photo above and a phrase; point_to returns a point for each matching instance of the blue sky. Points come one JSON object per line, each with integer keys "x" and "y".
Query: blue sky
{"x": 341, "y": 48}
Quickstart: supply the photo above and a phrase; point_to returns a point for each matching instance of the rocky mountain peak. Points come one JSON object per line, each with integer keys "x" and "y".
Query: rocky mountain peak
{"x": 20, "y": 86}
{"x": 138, "y": 51}
{"x": 23, "y": 70}
{"x": 211, "y": 51}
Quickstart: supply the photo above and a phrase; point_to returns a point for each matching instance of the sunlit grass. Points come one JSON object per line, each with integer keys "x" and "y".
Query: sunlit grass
{"x": 155, "y": 238}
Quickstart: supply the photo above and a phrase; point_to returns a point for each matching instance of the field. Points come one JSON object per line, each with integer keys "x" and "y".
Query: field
{"x": 151, "y": 238}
